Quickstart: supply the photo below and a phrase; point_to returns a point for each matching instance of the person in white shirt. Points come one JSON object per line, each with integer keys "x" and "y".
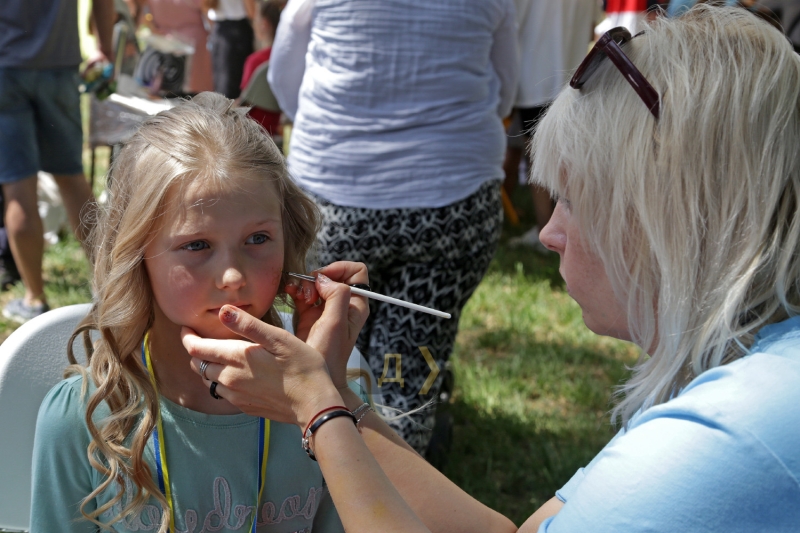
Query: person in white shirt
{"x": 231, "y": 42}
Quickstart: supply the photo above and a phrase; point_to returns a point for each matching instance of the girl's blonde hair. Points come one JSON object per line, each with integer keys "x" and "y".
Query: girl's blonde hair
{"x": 205, "y": 139}
{"x": 694, "y": 215}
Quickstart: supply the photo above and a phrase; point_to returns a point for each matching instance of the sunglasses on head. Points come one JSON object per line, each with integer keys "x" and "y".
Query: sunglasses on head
{"x": 610, "y": 45}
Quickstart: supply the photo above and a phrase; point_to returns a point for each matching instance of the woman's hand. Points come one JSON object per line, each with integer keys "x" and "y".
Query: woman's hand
{"x": 332, "y": 334}
{"x": 276, "y": 376}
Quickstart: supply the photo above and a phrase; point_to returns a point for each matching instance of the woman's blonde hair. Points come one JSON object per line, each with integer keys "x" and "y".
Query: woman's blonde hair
{"x": 695, "y": 214}
{"x": 205, "y": 139}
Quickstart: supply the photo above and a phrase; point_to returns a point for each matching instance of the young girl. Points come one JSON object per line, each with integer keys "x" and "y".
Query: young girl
{"x": 201, "y": 213}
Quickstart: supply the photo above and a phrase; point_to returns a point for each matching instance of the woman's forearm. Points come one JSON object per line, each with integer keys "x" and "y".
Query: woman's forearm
{"x": 438, "y": 502}
{"x": 364, "y": 497}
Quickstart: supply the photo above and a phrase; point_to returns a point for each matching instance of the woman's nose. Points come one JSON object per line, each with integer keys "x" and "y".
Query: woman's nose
{"x": 554, "y": 235}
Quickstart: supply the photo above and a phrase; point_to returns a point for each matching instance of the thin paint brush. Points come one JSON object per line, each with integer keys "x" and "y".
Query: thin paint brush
{"x": 358, "y": 290}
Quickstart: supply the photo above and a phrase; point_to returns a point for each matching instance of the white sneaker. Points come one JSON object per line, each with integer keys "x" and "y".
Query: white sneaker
{"x": 530, "y": 239}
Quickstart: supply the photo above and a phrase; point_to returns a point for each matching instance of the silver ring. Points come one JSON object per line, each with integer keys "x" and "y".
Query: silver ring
{"x": 213, "y": 390}
{"x": 203, "y": 368}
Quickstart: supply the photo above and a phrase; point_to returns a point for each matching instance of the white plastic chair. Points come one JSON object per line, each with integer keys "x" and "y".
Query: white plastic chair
{"x": 32, "y": 360}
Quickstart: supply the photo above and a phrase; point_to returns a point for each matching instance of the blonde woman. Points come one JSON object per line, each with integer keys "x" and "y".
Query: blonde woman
{"x": 674, "y": 157}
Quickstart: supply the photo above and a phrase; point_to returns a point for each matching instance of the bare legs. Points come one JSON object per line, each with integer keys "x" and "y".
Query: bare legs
{"x": 25, "y": 235}
{"x": 511, "y": 168}
{"x": 542, "y": 203}
{"x": 24, "y": 226}
{"x": 80, "y": 205}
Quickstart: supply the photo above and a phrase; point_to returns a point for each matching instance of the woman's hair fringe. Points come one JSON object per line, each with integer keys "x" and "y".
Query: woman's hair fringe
{"x": 203, "y": 139}
{"x": 694, "y": 215}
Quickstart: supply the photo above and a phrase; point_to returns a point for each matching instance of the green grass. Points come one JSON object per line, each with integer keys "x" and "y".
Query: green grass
{"x": 533, "y": 385}
{"x": 532, "y": 392}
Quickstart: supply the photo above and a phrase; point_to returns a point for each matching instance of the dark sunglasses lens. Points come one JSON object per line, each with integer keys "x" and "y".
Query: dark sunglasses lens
{"x": 586, "y": 69}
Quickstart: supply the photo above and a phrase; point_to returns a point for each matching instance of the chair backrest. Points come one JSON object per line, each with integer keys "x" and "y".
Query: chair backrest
{"x": 258, "y": 92}
{"x": 32, "y": 360}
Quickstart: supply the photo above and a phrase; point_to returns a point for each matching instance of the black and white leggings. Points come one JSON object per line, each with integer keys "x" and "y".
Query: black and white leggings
{"x": 431, "y": 256}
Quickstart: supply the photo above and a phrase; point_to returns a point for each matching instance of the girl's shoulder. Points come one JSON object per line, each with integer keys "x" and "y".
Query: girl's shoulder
{"x": 65, "y": 404}
{"x": 62, "y": 413}
{"x": 67, "y": 392}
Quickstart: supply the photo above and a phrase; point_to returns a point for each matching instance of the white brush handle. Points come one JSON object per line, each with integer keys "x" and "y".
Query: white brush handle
{"x": 381, "y": 297}
{"x": 395, "y": 301}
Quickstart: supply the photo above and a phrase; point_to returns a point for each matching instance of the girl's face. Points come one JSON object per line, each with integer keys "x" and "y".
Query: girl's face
{"x": 216, "y": 248}
{"x": 584, "y": 274}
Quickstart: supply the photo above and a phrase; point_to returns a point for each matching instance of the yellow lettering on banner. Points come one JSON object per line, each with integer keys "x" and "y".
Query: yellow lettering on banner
{"x": 398, "y": 370}
{"x": 434, "y": 370}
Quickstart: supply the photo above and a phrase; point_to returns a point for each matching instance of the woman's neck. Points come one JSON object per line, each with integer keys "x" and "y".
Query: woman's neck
{"x": 176, "y": 380}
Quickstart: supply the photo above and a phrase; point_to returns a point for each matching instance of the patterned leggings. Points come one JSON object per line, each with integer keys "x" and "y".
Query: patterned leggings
{"x": 433, "y": 257}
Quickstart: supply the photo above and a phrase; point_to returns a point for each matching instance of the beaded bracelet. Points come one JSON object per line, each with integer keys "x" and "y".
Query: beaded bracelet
{"x": 317, "y": 424}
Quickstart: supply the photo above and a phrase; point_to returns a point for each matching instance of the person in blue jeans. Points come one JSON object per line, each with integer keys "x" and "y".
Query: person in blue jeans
{"x": 40, "y": 127}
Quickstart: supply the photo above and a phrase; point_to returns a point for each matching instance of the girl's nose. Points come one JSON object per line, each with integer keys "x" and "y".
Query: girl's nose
{"x": 554, "y": 235}
{"x": 232, "y": 276}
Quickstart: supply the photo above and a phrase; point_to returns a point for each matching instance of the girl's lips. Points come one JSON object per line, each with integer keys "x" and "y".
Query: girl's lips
{"x": 243, "y": 307}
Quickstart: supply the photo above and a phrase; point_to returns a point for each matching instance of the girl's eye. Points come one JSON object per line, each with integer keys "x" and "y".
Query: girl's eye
{"x": 195, "y": 246}
{"x": 258, "y": 238}
{"x": 563, "y": 201}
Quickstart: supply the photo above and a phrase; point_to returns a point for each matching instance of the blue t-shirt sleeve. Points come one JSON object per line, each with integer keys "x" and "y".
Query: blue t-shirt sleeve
{"x": 668, "y": 474}
{"x": 701, "y": 462}
{"x": 62, "y": 476}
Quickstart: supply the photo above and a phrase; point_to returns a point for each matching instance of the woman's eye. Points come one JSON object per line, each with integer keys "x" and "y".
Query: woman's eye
{"x": 258, "y": 238}
{"x": 195, "y": 246}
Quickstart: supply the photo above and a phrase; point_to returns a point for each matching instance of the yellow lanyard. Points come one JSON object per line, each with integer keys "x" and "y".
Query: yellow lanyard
{"x": 160, "y": 449}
